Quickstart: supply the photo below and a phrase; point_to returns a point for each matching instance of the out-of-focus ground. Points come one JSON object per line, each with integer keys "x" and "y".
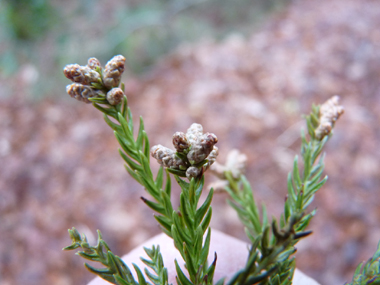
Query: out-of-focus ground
{"x": 60, "y": 166}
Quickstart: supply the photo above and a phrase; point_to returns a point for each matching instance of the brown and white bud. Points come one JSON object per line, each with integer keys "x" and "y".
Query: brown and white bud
{"x": 202, "y": 148}
{"x": 93, "y": 63}
{"x": 211, "y": 158}
{"x": 194, "y": 133}
{"x": 329, "y": 112}
{"x": 81, "y": 92}
{"x": 166, "y": 157}
{"x": 180, "y": 141}
{"x": 115, "y": 96}
{"x": 192, "y": 171}
{"x": 113, "y": 70}
{"x": 81, "y": 74}
{"x": 213, "y": 155}
{"x": 235, "y": 163}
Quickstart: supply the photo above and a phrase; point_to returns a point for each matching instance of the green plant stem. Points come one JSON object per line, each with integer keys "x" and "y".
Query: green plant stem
{"x": 276, "y": 248}
{"x": 186, "y": 226}
{"x": 115, "y": 271}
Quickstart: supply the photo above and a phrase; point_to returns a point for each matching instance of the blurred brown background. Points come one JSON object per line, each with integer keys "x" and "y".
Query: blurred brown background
{"x": 245, "y": 70}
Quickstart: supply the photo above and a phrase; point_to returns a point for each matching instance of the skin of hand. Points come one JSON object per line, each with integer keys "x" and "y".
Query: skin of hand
{"x": 231, "y": 257}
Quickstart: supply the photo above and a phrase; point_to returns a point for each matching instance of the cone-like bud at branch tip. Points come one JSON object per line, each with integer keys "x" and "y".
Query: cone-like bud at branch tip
{"x": 81, "y": 92}
{"x": 113, "y": 70}
{"x": 81, "y": 74}
{"x": 194, "y": 132}
{"x": 166, "y": 157}
{"x": 202, "y": 148}
{"x": 180, "y": 141}
{"x": 114, "y": 96}
{"x": 329, "y": 112}
{"x": 235, "y": 163}
{"x": 93, "y": 63}
{"x": 213, "y": 155}
{"x": 192, "y": 171}
{"x": 192, "y": 150}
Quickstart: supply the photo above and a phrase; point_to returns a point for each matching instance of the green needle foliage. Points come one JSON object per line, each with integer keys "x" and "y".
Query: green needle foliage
{"x": 272, "y": 247}
{"x": 271, "y": 255}
{"x": 115, "y": 271}
{"x": 189, "y": 223}
{"x": 369, "y": 272}
{"x": 157, "y": 265}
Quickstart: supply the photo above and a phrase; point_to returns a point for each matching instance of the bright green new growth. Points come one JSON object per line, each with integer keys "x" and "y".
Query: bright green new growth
{"x": 270, "y": 259}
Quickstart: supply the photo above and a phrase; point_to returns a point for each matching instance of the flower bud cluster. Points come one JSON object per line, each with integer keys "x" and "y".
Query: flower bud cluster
{"x": 113, "y": 70}
{"x": 93, "y": 63}
{"x": 202, "y": 148}
{"x": 89, "y": 82}
{"x": 81, "y": 74}
{"x": 166, "y": 157}
{"x": 195, "y": 151}
{"x": 235, "y": 164}
{"x": 329, "y": 112}
{"x": 81, "y": 92}
{"x": 114, "y": 96}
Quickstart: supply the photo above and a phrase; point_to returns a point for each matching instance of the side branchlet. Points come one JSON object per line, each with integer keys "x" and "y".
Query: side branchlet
{"x": 187, "y": 225}
{"x": 115, "y": 271}
{"x": 277, "y": 249}
{"x": 368, "y": 272}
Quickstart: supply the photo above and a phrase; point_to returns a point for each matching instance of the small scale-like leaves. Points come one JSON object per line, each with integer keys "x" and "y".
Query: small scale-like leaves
{"x": 128, "y": 134}
{"x": 165, "y": 222}
{"x": 200, "y": 213}
{"x": 146, "y": 146}
{"x": 296, "y": 176}
{"x": 108, "y": 111}
{"x": 127, "y": 147}
{"x": 198, "y": 240}
{"x": 180, "y": 230}
{"x": 140, "y": 275}
{"x": 154, "y": 206}
{"x": 104, "y": 273}
{"x": 133, "y": 174}
{"x": 206, "y": 221}
{"x": 205, "y": 249}
{"x": 186, "y": 212}
{"x": 177, "y": 172}
{"x": 117, "y": 128}
{"x": 140, "y": 135}
{"x": 133, "y": 165}
{"x": 168, "y": 186}
{"x": 183, "y": 184}
{"x": 130, "y": 120}
{"x": 124, "y": 107}
{"x": 167, "y": 204}
{"x": 160, "y": 178}
{"x": 181, "y": 277}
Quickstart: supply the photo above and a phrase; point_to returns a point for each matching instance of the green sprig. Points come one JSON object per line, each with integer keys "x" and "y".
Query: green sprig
{"x": 157, "y": 265}
{"x": 368, "y": 272}
{"x": 115, "y": 271}
{"x": 188, "y": 224}
{"x": 272, "y": 248}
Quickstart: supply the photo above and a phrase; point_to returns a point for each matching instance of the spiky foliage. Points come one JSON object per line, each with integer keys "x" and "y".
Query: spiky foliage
{"x": 115, "y": 271}
{"x": 189, "y": 223}
{"x": 368, "y": 273}
{"x": 270, "y": 259}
